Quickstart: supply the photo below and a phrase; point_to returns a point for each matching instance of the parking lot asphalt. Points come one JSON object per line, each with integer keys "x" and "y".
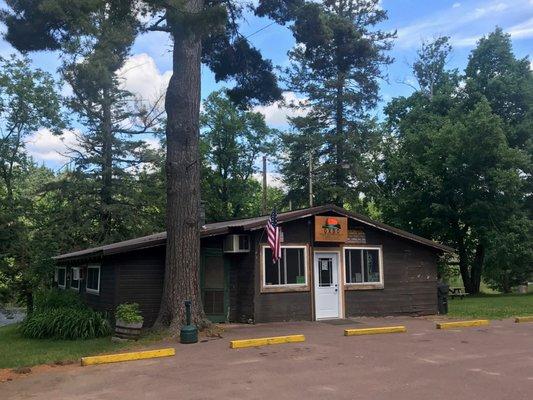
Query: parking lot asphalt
{"x": 488, "y": 362}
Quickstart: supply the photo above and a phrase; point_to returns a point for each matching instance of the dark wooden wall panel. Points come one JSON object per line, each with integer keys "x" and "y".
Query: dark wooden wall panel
{"x": 285, "y": 306}
{"x": 242, "y": 285}
{"x": 410, "y": 277}
{"x": 141, "y": 275}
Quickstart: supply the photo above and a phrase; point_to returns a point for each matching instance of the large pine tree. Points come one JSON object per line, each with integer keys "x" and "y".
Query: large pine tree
{"x": 336, "y": 66}
{"x": 93, "y": 39}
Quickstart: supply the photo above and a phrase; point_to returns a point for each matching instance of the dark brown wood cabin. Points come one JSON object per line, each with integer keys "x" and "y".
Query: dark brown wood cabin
{"x": 335, "y": 264}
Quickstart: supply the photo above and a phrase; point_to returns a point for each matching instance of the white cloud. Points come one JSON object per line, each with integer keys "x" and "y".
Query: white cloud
{"x": 46, "y": 147}
{"x": 462, "y": 21}
{"x": 276, "y": 114}
{"x": 153, "y": 143}
{"x": 523, "y": 30}
{"x": 141, "y": 77}
{"x": 274, "y": 179}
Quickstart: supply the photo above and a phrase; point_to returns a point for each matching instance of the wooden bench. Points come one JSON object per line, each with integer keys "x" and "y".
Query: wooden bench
{"x": 457, "y": 292}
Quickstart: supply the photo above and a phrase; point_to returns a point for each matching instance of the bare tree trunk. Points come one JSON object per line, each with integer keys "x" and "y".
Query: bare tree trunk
{"x": 182, "y": 105}
{"x": 471, "y": 274}
{"x": 477, "y": 268}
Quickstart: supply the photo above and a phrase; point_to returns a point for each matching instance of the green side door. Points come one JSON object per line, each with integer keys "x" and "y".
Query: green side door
{"x": 214, "y": 278}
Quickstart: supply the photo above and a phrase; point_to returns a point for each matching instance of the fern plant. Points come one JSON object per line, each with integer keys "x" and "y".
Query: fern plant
{"x": 65, "y": 323}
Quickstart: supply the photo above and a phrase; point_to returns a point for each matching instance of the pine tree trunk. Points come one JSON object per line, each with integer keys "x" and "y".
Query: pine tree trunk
{"x": 340, "y": 181}
{"x": 107, "y": 168}
{"x": 182, "y": 105}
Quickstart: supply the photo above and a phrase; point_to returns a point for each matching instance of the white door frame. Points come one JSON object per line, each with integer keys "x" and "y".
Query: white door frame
{"x": 340, "y": 280}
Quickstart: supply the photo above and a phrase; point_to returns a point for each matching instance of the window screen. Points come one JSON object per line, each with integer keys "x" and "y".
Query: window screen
{"x": 362, "y": 265}
{"x": 93, "y": 279}
{"x": 289, "y": 270}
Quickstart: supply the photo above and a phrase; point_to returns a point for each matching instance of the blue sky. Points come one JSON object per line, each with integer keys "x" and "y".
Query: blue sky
{"x": 415, "y": 20}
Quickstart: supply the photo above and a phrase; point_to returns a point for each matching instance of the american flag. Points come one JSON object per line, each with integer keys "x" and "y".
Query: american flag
{"x": 274, "y": 233}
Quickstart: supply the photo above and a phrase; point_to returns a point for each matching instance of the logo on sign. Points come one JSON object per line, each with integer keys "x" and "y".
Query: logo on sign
{"x": 331, "y": 226}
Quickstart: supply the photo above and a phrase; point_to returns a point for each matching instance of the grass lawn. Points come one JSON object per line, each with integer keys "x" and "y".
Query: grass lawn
{"x": 491, "y": 306}
{"x": 17, "y": 351}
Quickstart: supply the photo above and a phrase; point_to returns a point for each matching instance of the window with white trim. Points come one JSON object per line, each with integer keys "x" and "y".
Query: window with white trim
{"x": 291, "y": 269}
{"x": 61, "y": 277}
{"x": 74, "y": 283}
{"x": 363, "y": 265}
{"x": 92, "y": 283}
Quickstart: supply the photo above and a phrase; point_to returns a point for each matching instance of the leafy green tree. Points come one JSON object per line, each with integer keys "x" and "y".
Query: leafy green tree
{"x": 509, "y": 255}
{"x": 450, "y": 174}
{"x": 495, "y": 73}
{"x": 28, "y": 101}
{"x": 336, "y": 65}
{"x": 233, "y": 140}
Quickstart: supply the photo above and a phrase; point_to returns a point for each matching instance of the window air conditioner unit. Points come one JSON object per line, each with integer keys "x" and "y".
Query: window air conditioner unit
{"x": 76, "y": 274}
{"x": 237, "y": 244}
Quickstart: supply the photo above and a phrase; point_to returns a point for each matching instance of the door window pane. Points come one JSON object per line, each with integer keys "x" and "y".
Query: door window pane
{"x": 325, "y": 272}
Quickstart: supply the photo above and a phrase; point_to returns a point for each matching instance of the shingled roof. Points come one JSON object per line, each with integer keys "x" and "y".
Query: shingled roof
{"x": 246, "y": 224}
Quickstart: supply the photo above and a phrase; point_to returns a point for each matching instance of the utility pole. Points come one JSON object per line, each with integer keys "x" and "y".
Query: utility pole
{"x": 264, "y": 185}
{"x": 310, "y": 179}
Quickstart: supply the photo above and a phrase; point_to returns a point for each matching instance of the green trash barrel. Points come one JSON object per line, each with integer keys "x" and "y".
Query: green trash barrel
{"x": 189, "y": 332}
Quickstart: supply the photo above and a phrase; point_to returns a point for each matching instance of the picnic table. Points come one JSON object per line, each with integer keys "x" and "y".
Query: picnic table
{"x": 457, "y": 292}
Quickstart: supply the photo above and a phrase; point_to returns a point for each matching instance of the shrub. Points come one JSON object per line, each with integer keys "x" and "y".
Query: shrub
{"x": 52, "y": 299}
{"x": 65, "y": 323}
{"x": 129, "y": 313}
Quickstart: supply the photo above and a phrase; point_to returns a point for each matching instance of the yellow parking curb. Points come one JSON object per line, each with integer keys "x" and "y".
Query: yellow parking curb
{"x": 375, "y": 331}
{"x": 239, "y": 344}
{"x": 524, "y": 319}
{"x": 462, "y": 324}
{"x": 136, "y": 355}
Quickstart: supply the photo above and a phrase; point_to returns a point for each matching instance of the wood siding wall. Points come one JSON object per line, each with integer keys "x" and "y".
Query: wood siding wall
{"x": 410, "y": 280}
{"x": 284, "y": 306}
{"x": 140, "y": 279}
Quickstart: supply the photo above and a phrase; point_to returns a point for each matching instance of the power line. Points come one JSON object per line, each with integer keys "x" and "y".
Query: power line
{"x": 260, "y": 29}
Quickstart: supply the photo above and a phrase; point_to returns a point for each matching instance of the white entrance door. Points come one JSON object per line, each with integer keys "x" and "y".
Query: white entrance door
{"x": 326, "y": 266}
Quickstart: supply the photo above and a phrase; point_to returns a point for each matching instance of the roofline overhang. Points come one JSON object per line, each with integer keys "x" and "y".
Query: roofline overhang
{"x": 159, "y": 239}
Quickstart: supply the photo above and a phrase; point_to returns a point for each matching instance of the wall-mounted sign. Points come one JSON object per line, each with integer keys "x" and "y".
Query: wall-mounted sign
{"x": 331, "y": 229}
{"x": 356, "y": 236}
